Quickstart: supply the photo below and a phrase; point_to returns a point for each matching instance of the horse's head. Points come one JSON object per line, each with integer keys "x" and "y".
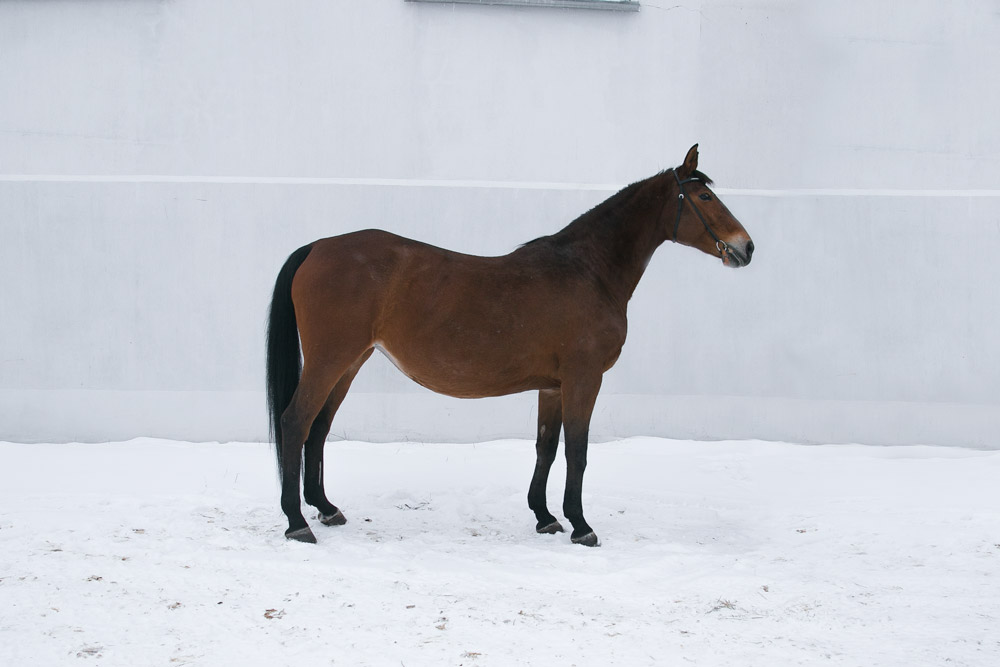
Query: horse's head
{"x": 699, "y": 219}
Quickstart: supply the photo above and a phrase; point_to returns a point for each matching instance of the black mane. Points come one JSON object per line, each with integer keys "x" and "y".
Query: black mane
{"x": 611, "y": 210}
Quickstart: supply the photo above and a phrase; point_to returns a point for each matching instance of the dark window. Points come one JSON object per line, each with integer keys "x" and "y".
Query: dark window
{"x": 620, "y": 5}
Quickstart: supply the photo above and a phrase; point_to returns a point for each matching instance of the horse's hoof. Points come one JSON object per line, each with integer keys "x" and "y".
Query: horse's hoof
{"x": 337, "y": 519}
{"x": 301, "y": 535}
{"x": 588, "y": 540}
{"x": 550, "y": 529}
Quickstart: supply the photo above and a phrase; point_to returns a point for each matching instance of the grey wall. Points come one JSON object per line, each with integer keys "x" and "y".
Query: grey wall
{"x": 159, "y": 160}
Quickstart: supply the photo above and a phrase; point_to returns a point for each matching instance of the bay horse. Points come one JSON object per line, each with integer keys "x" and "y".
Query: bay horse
{"x": 550, "y": 316}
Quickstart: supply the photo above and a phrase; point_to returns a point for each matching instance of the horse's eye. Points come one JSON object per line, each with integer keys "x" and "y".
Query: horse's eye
{"x": 705, "y": 197}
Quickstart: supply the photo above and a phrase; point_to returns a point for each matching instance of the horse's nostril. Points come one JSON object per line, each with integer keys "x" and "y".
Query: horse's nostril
{"x": 749, "y": 250}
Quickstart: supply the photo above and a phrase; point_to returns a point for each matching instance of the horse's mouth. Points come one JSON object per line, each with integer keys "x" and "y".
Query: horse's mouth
{"x": 733, "y": 259}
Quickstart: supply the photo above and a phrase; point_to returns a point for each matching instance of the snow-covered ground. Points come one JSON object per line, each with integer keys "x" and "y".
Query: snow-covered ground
{"x": 734, "y": 553}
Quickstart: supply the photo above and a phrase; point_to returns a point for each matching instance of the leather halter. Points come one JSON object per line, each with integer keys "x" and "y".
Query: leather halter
{"x": 720, "y": 245}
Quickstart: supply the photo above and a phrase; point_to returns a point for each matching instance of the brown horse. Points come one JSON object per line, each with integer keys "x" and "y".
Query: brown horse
{"x": 550, "y": 316}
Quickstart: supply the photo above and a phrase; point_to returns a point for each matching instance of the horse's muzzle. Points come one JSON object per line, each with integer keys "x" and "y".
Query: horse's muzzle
{"x": 735, "y": 256}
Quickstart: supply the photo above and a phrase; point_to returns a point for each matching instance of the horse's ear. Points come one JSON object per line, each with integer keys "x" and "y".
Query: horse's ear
{"x": 690, "y": 162}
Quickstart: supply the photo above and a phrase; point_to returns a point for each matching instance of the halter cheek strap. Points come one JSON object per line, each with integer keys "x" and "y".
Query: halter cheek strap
{"x": 719, "y": 243}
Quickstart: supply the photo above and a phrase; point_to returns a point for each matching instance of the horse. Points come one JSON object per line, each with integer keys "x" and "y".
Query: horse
{"x": 548, "y": 317}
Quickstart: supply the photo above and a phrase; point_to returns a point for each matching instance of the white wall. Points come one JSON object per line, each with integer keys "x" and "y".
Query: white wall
{"x": 857, "y": 142}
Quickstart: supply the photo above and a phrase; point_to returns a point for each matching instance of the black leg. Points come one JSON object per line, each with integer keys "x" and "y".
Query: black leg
{"x": 313, "y": 488}
{"x": 578, "y": 397}
{"x": 294, "y": 421}
{"x": 312, "y": 478}
{"x": 319, "y": 377}
{"x": 549, "y": 424}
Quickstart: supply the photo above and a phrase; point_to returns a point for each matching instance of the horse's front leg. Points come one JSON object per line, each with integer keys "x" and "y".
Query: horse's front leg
{"x": 578, "y": 398}
{"x": 549, "y": 424}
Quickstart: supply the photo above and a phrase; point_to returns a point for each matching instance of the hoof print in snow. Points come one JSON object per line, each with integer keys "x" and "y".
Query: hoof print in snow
{"x": 422, "y": 505}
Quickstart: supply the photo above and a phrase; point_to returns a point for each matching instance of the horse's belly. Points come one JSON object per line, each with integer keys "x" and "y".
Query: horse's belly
{"x": 469, "y": 375}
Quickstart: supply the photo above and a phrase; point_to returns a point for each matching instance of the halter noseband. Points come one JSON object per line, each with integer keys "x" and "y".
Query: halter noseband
{"x": 720, "y": 245}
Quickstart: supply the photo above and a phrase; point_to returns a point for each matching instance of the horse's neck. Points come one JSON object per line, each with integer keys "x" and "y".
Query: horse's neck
{"x": 623, "y": 240}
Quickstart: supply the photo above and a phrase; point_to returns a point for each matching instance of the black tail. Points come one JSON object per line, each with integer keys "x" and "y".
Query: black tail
{"x": 284, "y": 361}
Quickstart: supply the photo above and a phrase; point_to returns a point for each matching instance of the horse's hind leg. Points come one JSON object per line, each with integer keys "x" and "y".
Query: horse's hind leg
{"x": 549, "y": 424}
{"x": 313, "y": 487}
{"x": 319, "y": 377}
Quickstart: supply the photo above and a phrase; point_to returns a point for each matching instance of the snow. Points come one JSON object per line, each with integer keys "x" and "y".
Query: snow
{"x": 749, "y": 553}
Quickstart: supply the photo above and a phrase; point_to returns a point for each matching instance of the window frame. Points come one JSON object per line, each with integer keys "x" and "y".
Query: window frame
{"x": 612, "y": 5}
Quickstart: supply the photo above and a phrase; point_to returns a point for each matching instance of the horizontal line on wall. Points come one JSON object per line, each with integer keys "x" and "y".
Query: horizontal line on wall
{"x": 305, "y": 180}
{"x": 857, "y": 192}
{"x": 475, "y": 184}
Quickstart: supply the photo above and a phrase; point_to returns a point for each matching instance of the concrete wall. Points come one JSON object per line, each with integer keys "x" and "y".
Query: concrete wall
{"x": 159, "y": 160}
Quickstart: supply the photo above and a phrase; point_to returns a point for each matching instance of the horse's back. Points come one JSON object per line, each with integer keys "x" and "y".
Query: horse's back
{"x": 349, "y": 284}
